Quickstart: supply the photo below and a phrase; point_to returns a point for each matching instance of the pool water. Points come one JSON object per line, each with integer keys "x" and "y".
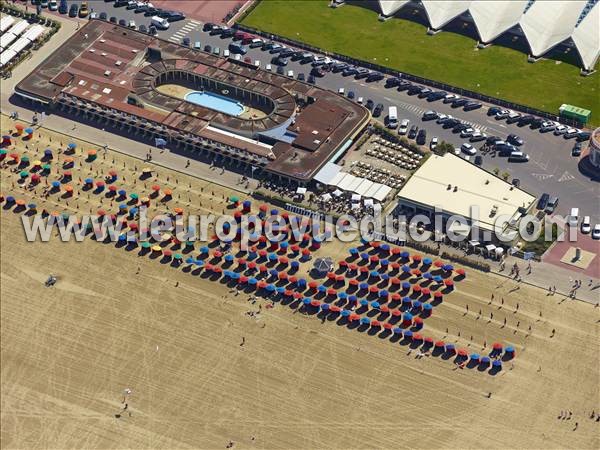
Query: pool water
{"x": 216, "y": 102}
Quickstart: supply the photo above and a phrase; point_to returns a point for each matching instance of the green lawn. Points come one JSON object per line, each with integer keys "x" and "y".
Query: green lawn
{"x": 448, "y": 57}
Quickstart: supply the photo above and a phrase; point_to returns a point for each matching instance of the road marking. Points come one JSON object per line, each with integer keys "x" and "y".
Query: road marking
{"x": 542, "y": 176}
{"x": 566, "y": 176}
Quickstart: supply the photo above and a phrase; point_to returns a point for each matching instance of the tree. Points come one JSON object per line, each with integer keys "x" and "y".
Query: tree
{"x": 444, "y": 147}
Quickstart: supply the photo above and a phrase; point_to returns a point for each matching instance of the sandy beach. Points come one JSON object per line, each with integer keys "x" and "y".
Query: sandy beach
{"x": 207, "y": 368}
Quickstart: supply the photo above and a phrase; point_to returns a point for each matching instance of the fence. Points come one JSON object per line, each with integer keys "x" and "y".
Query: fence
{"x": 414, "y": 78}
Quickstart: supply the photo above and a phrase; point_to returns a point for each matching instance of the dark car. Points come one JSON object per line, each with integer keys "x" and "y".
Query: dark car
{"x": 311, "y": 79}
{"x": 434, "y": 96}
{"x": 208, "y": 26}
{"x": 103, "y": 16}
{"x": 301, "y": 77}
{"x": 281, "y": 62}
{"x": 577, "y": 149}
{"x": 493, "y": 110}
{"x": 151, "y": 11}
{"x": 208, "y": 48}
{"x": 369, "y": 105}
{"x": 73, "y": 10}
{"x": 280, "y": 70}
{"x": 296, "y": 56}
{"x": 470, "y": 106}
{"x": 141, "y": 8}
{"x": 478, "y": 160}
{"x": 317, "y": 72}
{"x": 362, "y": 73}
{"x": 376, "y": 76}
{"x": 404, "y": 85}
{"x": 451, "y": 123}
{"x": 152, "y": 31}
{"x": 351, "y": 95}
{"x": 143, "y": 29}
{"x": 267, "y": 46}
{"x": 414, "y": 90}
{"x": 536, "y": 123}
{"x": 378, "y": 110}
{"x": 425, "y": 92}
{"x": 339, "y": 67}
{"x": 412, "y": 133}
{"x": 349, "y": 71}
{"x": 174, "y": 16}
{"x": 543, "y": 201}
{"x": 229, "y": 32}
{"x": 186, "y": 41}
{"x": 131, "y": 5}
{"x": 459, "y": 102}
{"x": 525, "y": 120}
{"x": 505, "y": 149}
{"x": 112, "y": 19}
{"x": 392, "y": 82}
{"x": 276, "y": 48}
{"x": 63, "y": 8}
{"x": 584, "y": 136}
{"x": 286, "y": 53}
{"x": 421, "y": 137}
{"x": 123, "y": 22}
{"x": 514, "y": 139}
{"x": 119, "y": 3}
{"x": 429, "y": 115}
{"x": 492, "y": 140}
{"x": 460, "y": 127}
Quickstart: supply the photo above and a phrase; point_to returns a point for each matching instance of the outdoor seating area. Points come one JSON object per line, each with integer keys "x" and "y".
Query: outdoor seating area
{"x": 377, "y": 175}
{"x": 394, "y": 153}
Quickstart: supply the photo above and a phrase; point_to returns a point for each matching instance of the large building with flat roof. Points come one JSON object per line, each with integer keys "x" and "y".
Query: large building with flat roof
{"x": 142, "y": 85}
{"x": 455, "y": 186}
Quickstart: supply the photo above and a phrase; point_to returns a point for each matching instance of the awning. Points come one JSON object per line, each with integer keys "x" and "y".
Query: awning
{"x": 327, "y": 173}
{"x": 301, "y": 190}
{"x": 356, "y": 198}
{"x": 474, "y": 243}
{"x": 490, "y": 247}
{"x": 337, "y": 193}
{"x": 326, "y": 197}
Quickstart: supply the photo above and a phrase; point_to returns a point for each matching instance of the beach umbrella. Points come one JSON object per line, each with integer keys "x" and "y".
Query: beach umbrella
{"x": 404, "y": 255}
{"x": 383, "y": 293}
{"x": 461, "y": 272}
{"x": 24, "y": 174}
{"x": 365, "y": 321}
{"x": 316, "y": 303}
{"x": 55, "y": 184}
{"x": 306, "y": 301}
{"x": 325, "y": 307}
{"x": 397, "y": 330}
{"x": 406, "y": 285}
{"x": 408, "y": 334}
{"x": 497, "y": 346}
{"x": 346, "y": 313}
{"x": 375, "y": 305}
{"x": 405, "y": 269}
{"x": 178, "y": 256}
{"x": 146, "y": 244}
{"x": 363, "y": 302}
{"x": 497, "y": 364}
{"x": 229, "y": 258}
{"x": 427, "y": 261}
{"x": 509, "y": 352}
{"x": 462, "y": 352}
{"x": 450, "y": 348}
{"x": 29, "y": 130}
{"x": 342, "y": 295}
{"x": 448, "y": 267}
{"x": 88, "y": 181}
{"x": 485, "y": 360}
{"x": 190, "y": 260}
{"x": 363, "y": 286}
{"x": 474, "y": 357}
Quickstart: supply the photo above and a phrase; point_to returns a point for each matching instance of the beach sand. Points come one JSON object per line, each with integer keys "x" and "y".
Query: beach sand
{"x": 173, "y": 338}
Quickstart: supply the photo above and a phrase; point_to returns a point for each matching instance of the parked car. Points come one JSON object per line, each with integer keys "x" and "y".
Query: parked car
{"x": 586, "y": 226}
{"x": 442, "y": 118}
{"x": 560, "y": 129}
{"x": 351, "y": 95}
{"x": 434, "y": 143}
{"x": 450, "y": 98}
{"x": 596, "y": 231}
{"x": 414, "y": 90}
{"x": 525, "y": 120}
{"x": 450, "y": 123}
{"x": 514, "y": 140}
{"x": 317, "y": 72}
{"x": 543, "y": 201}
{"x": 123, "y": 22}
{"x": 404, "y": 85}
{"x": 551, "y": 206}
{"x": 311, "y": 79}
{"x": 493, "y": 110}
{"x": 478, "y": 161}
{"x": 403, "y": 128}
{"x": 73, "y": 10}
{"x": 208, "y": 48}
{"x": 576, "y": 151}
{"x": 435, "y": 96}
{"x": 583, "y": 136}
{"x": 301, "y": 77}
{"x": 349, "y": 71}
{"x": 412, "y": 133}
{"x": 392, "y": 82}
{"x": 421, "y": 137}
{"x": 131, "y": 24}
{"x": 460, "y": 127}
{"x": 152, "y": 31}
{"x": 280, "y": 70}
{"x": 378, "y": 110}
{"x": 513, "y": 117}
{"x": 536, "y": 123}
{"x": 477, "y": 136}
{"x": 459, "y": 102}
{"x": 518, "y": 157}
{"x": 468, "y": 149}
{"x": 63, "y": 7}
{"x": 505, "y": 149}
{"x": 369, "y": 105}
{"x": 362, "y": 73}
{"x": 547, "y": 126}
{"x": 424, "y": 92}
{"x": 503, "y": 114}
{"x": 374, "y": 76}
{"x": 429, "y": 115}
{"x": 131, "y": 4}
{"x": 470, "y": 106}
{"x": 338, "y": 67}
{"x": 120, "y": 3}
{"x": 103, "y": 16}
{"x": 112, "y": 19}
{"x": 492, "y": 140}
{"x": 53, "y": 5}
{"x": 571, "y": 133}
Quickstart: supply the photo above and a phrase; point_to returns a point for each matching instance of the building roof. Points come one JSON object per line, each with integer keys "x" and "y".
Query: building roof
{"x": 440, "y": 13}
{"x": 492, "y": 18}
{"x": 436, "y": 183}
{"x": 587, "y": 37}
{"x": 548, "y": 23}
{"x": 389, "y": 7}
{"x": 115, "y": 71}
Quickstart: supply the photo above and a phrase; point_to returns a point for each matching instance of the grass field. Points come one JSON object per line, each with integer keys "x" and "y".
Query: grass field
{"x": 448, "y": 57}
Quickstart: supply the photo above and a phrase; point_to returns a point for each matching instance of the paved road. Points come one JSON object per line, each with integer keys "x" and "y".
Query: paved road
{"x": 550, "y": 169}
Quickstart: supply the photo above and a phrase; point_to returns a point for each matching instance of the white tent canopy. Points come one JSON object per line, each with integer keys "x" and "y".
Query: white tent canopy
{"x": 327, "y": 173}
{"x": 301, "y": 190}
{"x": 492, "y": 18}
{"x": 440, "y": 13}
{"x": 382, "y": 193}
{"x": 389, "y": 7}
{"x": 6, "y": 22}
{"x": 548, "y": 23}
{"x": 587, "y": 37}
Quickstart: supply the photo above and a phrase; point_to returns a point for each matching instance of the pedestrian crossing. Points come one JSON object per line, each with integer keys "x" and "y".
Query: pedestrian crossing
{"x": 185, "y": 30}
{"x": 418, "y": 110}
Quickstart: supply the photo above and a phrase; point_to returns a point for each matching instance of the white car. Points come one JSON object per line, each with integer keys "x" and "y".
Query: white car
{"x": 256, "y": 61}
{"x": 478, "y": 136}
{"x": 403, "y": 128}
{"x": 442, "y": 117}
{"x": 290, "y": 73}
{"x": 131, "y": 24}
{"x": 450, "y": 98}
{"x": 268, "y": 67}
{"x": 560, "y": 129}
{"x": 226, "y": 53}
{"x": 53, "y": 5}
{"x": 547, "y": 126}
{"x": 586, "y": 227}
{"x": 434, "y": 142}
{"x": 467, "y": 132}
{"x": 360, "y": 100}
{"x": 341, "y": 91}
{"x": 596, "y": 231}
{"x": 468, "y": 149}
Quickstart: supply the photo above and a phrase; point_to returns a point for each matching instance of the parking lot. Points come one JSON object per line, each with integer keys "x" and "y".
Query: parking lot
{"x": 550, "y": 168}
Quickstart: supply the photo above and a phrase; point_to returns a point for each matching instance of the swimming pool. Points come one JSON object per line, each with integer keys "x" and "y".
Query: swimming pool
{"x": 216, "y": 102}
